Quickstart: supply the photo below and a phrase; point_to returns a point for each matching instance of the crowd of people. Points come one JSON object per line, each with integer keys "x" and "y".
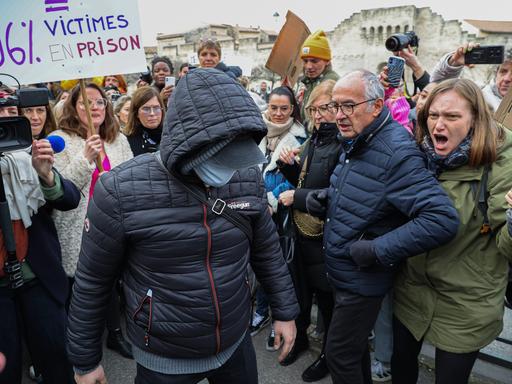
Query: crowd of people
{"x": 392, "y": 212}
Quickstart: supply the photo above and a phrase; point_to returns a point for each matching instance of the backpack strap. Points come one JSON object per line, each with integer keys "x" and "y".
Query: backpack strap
{"x": 481, "y": 196}
{"x": 219, "y": 206}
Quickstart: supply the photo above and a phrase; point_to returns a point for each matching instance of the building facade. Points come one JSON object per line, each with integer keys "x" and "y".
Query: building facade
{"x": 357, "y": 42}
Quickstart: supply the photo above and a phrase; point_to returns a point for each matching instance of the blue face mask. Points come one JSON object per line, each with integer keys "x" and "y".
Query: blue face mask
{"x": 213, "y": 174}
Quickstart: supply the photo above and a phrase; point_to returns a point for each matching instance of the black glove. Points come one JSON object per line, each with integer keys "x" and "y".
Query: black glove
{"x": 363, "y": 253}
{"x": 316, "y": 203}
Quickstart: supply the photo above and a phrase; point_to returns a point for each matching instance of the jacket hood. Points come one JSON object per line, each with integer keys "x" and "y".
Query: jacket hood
{"x": 206, "y": 108}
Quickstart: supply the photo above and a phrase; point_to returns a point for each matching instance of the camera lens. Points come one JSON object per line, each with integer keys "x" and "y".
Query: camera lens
{"x": 3, "y": 133}
{"x": 392, "y": 44}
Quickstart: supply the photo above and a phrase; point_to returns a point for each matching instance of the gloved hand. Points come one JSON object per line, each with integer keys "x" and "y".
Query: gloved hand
{"x": 363, "y": 253}
{"x": 316, "y": 203}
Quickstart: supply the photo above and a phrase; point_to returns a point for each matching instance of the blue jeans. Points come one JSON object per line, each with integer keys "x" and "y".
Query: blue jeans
{"x": 261, "y": 302}
{"x": 384, "y": 330}
{"x": 239, "y": 369}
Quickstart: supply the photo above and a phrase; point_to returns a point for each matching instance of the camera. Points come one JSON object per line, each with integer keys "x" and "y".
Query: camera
{"x": 400, "y": 41}
{"x": 15, "y": 131}
{"x": 15, "y": 134}
{"x": 112, "y": 93}
{"x": 146, "y": 76}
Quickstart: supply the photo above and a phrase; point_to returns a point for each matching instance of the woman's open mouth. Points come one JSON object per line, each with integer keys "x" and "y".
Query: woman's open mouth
{"x": 440, "y": 141}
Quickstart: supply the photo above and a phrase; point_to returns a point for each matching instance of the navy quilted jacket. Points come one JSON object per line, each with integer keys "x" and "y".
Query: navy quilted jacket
{"x": 381, "y": 191}
{"x": 184, "y": 267}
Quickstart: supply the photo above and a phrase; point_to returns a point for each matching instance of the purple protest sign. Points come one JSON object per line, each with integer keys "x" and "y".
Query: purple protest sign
{"x": 69, "y": 39}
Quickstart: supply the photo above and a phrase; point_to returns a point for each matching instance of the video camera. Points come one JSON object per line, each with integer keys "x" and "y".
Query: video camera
{"x": 400, "y": 41}
{"x": 15, "y": 134}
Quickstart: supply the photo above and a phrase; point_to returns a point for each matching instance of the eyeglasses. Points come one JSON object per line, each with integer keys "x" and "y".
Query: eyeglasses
{"x": 347, "y": 109}
{"x": 321, "y": 109}
{"x": 100, "y": 104}
{"x": 282, "y": 108}
{"x": 150, "y": 110}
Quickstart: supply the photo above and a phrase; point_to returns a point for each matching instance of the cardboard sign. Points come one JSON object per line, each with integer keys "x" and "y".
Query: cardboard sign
{"x": 504, "y": 113}
{"x": 285, "y": 56}
{"x": 50, "y": 40}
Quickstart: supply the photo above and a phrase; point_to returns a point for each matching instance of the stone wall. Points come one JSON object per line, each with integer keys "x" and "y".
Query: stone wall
{"x": 357, "y": 42}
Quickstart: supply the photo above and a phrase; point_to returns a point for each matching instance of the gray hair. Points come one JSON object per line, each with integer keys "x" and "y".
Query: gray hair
{"x": 373, "y": 89}
{"x": 119, "y": 104}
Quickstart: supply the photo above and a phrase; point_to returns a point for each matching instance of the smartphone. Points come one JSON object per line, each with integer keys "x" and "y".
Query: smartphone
{"x": 488, "y": 54}
{"x": 170, "y": 80}
{"x": 396, "y": 67}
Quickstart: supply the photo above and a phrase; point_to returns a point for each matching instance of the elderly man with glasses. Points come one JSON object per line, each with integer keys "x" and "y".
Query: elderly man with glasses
{"x": 382, "y": 206}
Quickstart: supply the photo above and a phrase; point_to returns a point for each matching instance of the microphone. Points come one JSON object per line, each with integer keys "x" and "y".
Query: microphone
{"x": 58, "y": 144}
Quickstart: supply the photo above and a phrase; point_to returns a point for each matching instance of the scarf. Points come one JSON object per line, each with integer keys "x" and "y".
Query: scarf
{"x": 276, "y": 132}
{"x": 458, "y": 157}
{"x": 22, "y": 189}
{"x": 96, "y": 174}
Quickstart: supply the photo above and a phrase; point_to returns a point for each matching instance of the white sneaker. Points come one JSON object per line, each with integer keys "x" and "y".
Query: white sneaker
{"x": 380, "y": 372}
{"x": 258, "y": 323}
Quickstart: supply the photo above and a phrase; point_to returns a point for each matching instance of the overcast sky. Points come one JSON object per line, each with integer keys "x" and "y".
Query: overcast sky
{"x": 166, "y": 16}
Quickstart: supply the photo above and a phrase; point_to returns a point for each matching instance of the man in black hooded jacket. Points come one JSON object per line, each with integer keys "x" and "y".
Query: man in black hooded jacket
{"x": 183, "y": 264}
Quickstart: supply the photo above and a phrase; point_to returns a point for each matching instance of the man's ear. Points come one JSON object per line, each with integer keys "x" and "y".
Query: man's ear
{"x": 377, "y": 107}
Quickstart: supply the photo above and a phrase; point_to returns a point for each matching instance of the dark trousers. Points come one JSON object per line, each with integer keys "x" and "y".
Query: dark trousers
{"x": 348, "y": 356}
{"x": 32, "y": 309}
{"x": 451, "y": 368}
{"x": 239, "y": 369}
{"x": 325, "y": 301}
{"x": 310, "y": 279}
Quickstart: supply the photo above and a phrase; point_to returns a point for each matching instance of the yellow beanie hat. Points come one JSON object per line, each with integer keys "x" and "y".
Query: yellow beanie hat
{"x": 316, "y": 45}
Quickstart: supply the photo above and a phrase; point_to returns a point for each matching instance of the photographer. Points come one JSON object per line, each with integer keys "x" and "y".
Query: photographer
{"x": 452, "y": 64}
{"x": 33, "y": 189}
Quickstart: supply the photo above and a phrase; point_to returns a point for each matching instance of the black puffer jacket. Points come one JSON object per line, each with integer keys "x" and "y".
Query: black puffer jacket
{"x": 183, "y": 266}
{"x": 322, "y": 151}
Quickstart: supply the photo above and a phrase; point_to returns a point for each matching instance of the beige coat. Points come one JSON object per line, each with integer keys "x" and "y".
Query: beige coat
{"x": 72, "y": 164}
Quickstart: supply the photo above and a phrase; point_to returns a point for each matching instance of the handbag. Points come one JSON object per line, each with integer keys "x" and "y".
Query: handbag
{"x": 307, "y": 225}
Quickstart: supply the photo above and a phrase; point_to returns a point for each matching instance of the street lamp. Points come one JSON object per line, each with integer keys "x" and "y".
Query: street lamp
{"x": 276, "y": 16}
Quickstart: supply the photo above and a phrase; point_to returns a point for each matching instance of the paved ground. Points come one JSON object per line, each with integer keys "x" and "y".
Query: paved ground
{"x": 122, "y": 371}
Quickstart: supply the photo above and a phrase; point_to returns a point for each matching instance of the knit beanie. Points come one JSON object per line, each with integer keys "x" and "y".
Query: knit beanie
{"x": 316, "y": 45}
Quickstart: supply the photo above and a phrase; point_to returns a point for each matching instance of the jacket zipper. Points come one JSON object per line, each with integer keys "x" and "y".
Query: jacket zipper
{"x": 149, "y": 299}
{"x": 210, "y": 275}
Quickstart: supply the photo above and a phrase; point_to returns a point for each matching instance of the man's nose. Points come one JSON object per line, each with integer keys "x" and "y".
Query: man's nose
{"x": 340, "y": 115}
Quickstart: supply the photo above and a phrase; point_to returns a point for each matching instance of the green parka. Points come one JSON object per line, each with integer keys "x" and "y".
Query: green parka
{"x": 453, "y": 296}
{"x": 310, "y": 84}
